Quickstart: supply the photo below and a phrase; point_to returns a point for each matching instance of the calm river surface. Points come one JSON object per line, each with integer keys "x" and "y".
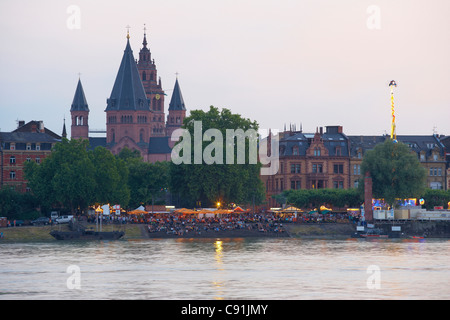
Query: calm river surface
{"x": 192, "y": 269}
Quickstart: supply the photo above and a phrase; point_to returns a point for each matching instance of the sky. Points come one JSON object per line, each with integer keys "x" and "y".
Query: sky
{"x": 310, "y": 63}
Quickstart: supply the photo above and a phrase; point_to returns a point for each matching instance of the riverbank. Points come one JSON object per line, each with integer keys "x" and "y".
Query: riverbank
{"x": 430, "y": 229}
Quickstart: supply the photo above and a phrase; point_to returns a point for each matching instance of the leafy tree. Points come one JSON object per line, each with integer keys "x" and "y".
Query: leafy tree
{"x": 434, "y": 198}
{"x": 314, "y": 198}
{"x": 111, "y": 177}
{"x": 147, "y": 181}
{"x": 208, "y": 183}
{"x": 395, "y": 170}
{"x": 73, "y": 177}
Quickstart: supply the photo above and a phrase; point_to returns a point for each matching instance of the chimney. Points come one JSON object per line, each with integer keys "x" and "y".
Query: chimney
{"x": 21, "y": 123}
{"x": 321, "y": 130}
{"x": 41, "y": 127}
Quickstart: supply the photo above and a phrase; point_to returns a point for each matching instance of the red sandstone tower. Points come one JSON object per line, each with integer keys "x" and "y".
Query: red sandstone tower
{"x": 152, "y": 86}
{"x": 177, "y": 110}
{"x": 80, "y": 113}
{"x": 128, "y": 111}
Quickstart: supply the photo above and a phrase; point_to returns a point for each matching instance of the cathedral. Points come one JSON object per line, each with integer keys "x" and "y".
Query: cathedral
{"x": 135, "y": 114}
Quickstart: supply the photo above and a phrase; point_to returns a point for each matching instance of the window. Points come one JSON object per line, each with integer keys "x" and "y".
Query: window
{"x": 38, "y": 160}
{"x": 317, "y": 168}
{"x": 317, "y": 152}
{"x": 338, "y": 168}
{"x": 338, "y": 184}
{"x": 295, "y": 184}
{"x": 12, "y": 175}
{"x": 12, "y": 160}
{"x": 295, "y": 151}
{"x": 295, "y": 168}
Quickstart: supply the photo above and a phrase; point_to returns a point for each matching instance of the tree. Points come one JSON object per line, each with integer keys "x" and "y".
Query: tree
{"x": 73, "y": 177}
{"x": 396, "y": 172}
{"x": 111, "y": 177}
{"x": 314, "y": 198}
{"x": 147, "y": 181}
{"x": 207, "y": 183}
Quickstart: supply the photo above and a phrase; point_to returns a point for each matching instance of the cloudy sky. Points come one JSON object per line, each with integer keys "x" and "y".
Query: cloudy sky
{"x": 309, "y": 62}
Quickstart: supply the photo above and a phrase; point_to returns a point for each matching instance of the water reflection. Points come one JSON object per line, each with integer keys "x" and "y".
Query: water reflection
{"x": 226, "y": 269}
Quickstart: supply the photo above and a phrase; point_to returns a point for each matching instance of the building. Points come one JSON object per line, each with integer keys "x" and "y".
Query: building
{"x": 135, "y": 113}
{"x": 29, "y": 142}
{"x": 331, "y": 159}
{"x": 310, "y": 161}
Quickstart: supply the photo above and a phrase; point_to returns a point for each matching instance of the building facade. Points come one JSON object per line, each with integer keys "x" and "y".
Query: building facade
{"x": 331, "y": 159}
{"x": 135, "y": 110}
{"x": 310, "y": 161}
{"x": 29, "y": 142}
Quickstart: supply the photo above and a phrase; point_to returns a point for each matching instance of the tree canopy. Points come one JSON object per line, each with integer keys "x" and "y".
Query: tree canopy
{"x": 396, "y": 172}
{"x": 226, "y": 180}
{"x": 74, "y": 177}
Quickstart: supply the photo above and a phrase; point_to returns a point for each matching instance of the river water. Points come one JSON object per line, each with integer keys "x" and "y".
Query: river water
{"x": 192, "y": 269}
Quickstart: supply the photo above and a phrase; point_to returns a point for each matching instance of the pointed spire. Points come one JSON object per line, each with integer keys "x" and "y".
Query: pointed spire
{"x": 144, "y": 43}
{"x": 177, "y": 102}
{"x": 64, "y": 132}
{"x": 128, "y": 92}
{"x": 79, "y": 100}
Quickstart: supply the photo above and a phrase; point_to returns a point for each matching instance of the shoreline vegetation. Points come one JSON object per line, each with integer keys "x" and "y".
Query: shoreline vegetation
{"x": 329, "y": 231}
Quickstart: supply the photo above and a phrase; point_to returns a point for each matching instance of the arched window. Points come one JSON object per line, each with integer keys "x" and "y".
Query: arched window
{"x": 144, "y": 76}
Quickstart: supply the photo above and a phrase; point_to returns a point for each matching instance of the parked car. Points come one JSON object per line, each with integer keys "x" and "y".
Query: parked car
{"x": 40, "y": 220}
{"x": 64, "y": 219}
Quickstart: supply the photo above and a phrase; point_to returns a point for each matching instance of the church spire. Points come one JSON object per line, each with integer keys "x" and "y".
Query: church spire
{"x": 176, "y": 102}
{"x": 144, "y": 43}
{"x": 128, "y": 92}
{"x": 79, "y": 100}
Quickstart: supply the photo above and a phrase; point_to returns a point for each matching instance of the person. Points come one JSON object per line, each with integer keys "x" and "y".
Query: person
{"x": 1, "y": 235}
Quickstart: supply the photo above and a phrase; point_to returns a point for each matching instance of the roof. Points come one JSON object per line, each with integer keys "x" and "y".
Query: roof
{"x": 128, "y": 92}
{"x": 415, "y": 143}
{"x": 79, "y": 102}
{"x": 177, "y": 102}
{"x": 27, "y": 137}
{"x": 95, "y": 142}
{"x": 302, "y": 141}
{"x": 159, "y": 145}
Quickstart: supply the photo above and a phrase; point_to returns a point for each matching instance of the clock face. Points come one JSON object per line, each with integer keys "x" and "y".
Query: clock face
{"x": 157, "y": 97}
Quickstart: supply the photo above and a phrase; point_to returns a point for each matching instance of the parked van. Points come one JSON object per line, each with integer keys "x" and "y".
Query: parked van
{"x": 64, "y": 219}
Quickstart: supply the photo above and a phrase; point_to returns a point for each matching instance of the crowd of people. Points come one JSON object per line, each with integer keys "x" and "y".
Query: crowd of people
{"x": 195, "y": 225}
{"x": 186, "y": 225}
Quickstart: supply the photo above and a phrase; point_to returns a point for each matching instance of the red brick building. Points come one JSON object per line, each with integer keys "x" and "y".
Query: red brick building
{"x": 29, "y": 142}
{"x": 310, "y": 161}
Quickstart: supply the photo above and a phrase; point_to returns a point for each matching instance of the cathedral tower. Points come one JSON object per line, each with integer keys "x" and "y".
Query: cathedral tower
{"x": 79, "y": 112}
{"x": 152, "y": 86}
{"x": 128, "y": 111}
{"x": 177, "y": 110}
